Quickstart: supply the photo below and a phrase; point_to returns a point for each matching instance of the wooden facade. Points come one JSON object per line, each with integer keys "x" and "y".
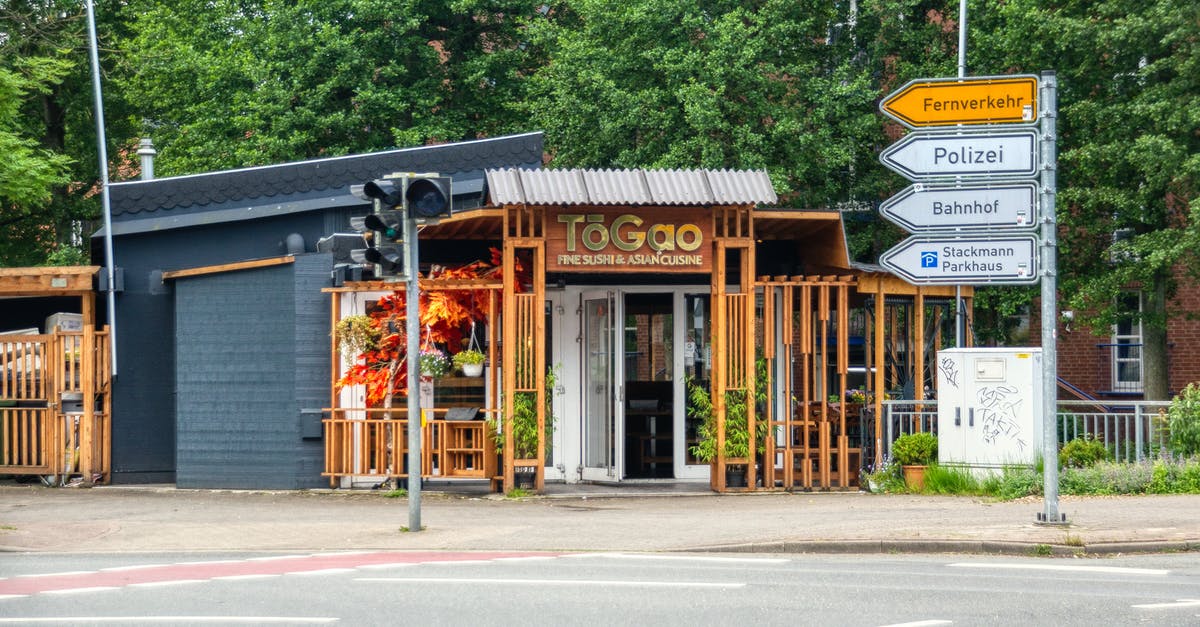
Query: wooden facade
{"x": 55, "y": 403}
{"x": 783, "y": 340}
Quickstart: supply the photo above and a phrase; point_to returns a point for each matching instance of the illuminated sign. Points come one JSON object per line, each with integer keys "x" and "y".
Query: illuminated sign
{"x": 664, "y": 239}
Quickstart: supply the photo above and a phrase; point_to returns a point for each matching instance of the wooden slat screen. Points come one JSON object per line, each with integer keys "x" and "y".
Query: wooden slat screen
{"x": 23, "y": 360}
{"x": 737, "y": 314}
{"x": 527, "y": 314}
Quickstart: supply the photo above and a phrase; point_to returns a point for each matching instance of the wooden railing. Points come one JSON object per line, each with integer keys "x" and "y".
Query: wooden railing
{"x": 362, "y": 443}
{"x": 44, "y": 425}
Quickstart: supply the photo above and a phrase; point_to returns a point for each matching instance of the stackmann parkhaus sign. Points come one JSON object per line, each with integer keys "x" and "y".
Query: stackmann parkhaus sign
{"x": 659, "y": 239}
{"x": 1006, "y": 260}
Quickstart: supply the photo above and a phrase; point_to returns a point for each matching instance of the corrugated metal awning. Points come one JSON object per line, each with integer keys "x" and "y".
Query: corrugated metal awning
{"x": 630, "y": 187}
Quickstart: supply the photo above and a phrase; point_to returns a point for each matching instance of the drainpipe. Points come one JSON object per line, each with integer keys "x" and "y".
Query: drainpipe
{"x": 146, "y": 152}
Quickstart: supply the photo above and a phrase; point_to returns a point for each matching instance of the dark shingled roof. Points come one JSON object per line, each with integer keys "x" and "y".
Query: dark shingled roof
{"x": 318, "y": 178}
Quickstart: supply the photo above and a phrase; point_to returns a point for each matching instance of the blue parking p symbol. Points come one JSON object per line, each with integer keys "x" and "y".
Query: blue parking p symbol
{"x": 929, "y": 259}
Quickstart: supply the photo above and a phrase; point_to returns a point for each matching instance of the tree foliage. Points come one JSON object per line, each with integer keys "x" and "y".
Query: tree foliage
{"x": 230, "y": 83}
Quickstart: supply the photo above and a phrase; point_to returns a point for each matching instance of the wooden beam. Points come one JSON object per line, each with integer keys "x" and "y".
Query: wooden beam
{"x": 228, "y": 267}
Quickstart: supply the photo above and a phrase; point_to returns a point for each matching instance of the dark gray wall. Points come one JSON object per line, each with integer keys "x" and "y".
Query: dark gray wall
{"x": 251, "y": 352}
{"x": 143, "y": 434}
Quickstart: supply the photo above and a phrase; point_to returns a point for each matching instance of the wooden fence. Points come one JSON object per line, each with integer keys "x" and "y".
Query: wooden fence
{"x": 362, "y": 443}
{"x": 46, "y": 427}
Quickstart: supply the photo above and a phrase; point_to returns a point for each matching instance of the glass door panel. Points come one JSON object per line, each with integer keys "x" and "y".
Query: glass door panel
{"x": 599, "y": 375}
{"x": 697, "y": 366}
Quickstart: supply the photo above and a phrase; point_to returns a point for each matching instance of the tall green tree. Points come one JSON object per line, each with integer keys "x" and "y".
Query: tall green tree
{"x": 232, "y": 83}
{"x": 44, "y": 45}
{"x": 1129, "y": 150}
{"x": 679, "y": 83}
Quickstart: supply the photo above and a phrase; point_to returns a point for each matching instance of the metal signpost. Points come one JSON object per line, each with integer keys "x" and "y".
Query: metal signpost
{"x": 973, "y": 181}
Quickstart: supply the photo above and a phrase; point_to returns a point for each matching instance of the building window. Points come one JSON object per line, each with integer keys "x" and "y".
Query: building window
{"x": 1127, "y": 344}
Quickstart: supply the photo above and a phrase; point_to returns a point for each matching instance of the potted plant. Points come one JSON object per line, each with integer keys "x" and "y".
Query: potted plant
{"x": 914, "y": 452}
{"x": 737, "y": 430}
{"x": 470, "y": 362}
{"x": 525, "y": 427}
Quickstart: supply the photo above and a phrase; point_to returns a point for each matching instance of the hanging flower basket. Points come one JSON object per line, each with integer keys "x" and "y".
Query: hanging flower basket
{"x": 470, "y": 362}
{"x": 434, "y": 363}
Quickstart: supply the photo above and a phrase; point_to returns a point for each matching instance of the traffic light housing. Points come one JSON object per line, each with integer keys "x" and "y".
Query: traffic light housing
{"x": 382, "y": 228}
{"x": 417, "y": 197}
{"x": 428, "y": 197}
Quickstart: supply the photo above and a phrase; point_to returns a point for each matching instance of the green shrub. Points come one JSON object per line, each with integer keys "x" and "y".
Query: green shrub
{"x": 1013, "y": 483}
{"x": 888, "y": 477}
{"x": 1083, "y": 452}
{"x": 915, "y": 449}
{"x": 950, "y": 480}
{"x": 1183, "y": 422}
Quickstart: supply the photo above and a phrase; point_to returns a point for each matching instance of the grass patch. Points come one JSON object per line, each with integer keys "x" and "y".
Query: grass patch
{"x": 398, "y": 493}
{"x": 519, "y": 493}
{"x": 1165, "y": 474}
{"x": 1042, "y": 550}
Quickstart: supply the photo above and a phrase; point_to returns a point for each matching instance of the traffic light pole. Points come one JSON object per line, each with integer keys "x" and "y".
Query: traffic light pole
{"x": 412, "y": 330}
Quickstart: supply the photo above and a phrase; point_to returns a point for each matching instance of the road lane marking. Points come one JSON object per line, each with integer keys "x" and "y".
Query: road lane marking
{"x": 1178, "y": 603}
{"x": 171, "y": 620}
{"x": 314, "y": 564}
{"x": 682, "y": 558}
{"x": 921, "y": 623}
{"x": 1117, "y": 570}
{"x": 556, "y": 582}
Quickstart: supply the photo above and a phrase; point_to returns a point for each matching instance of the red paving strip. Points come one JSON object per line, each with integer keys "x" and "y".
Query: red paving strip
{"x": 161, "y": 573}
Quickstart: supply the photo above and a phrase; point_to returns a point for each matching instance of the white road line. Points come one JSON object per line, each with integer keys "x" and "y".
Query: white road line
{"x": 12, "y": 596}
{"x": 921, "y": 623}
{"x": 78, "y": 590}
{"x": 170, "y": 620}
{"x": 270, "y": 558}
{"x": 682, "y": 558}
{"x": 530, "y": 558}
{"x": 456, "y": 562}
{"x": 117, "y": 569}
{"x": 387, "y": 566}
{"x": 163, "y": 584}
{"x": 1179, "y": 603}
{"x": 68, "y": 573}
{"x": 1117, "y": 570}
{"x": 244, "y": 577}
{"x": 557, "y": 582}
{"x": 323, "y": 571}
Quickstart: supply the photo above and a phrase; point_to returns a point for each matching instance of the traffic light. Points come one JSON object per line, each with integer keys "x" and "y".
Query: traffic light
{"x": 382, "y": 228}
{"x": 427, "y": 197}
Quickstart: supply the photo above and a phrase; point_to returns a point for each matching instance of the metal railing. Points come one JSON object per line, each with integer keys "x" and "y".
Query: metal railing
{"x": 1130, "y": 430}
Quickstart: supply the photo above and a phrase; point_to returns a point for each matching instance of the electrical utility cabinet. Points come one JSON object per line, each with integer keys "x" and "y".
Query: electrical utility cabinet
{"x": 989, "y": 406}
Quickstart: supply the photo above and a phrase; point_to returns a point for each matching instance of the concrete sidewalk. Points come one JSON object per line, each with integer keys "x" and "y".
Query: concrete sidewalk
{"x": 163, "y": 518}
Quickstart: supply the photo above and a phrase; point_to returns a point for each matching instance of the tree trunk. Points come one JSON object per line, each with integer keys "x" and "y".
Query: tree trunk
{"x": 1155, "y": 384}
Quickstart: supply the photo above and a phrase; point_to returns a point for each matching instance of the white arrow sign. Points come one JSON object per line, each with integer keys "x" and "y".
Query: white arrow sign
{"x": 1004, "y": 260}
{"x": 993, "y": 206}
{"x": 925, "y": 155}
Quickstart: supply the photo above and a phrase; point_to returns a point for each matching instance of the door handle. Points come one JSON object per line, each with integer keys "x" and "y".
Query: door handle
{"x": 971, "y": 417}
{"x": 958, "y": 416}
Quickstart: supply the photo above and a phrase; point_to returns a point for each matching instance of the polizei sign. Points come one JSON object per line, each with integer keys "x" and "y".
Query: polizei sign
{"x": 595, "y": 239}
{"x": 967, "y": 155}
{"x": 926, "y": 260}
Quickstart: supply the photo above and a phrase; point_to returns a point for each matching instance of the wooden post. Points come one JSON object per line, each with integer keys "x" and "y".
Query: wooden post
{"x": 87, "y": 373}
{"x": 879, "y": 373}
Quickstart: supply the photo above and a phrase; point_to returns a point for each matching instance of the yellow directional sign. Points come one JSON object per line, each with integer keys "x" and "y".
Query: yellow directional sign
{"x": 977, "y": 100}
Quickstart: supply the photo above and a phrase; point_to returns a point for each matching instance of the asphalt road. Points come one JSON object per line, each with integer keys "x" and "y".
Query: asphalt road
{"x": 523, "y": 588}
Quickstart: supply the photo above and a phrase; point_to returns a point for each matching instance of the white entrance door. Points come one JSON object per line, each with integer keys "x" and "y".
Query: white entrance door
{"x": 602, "y": 409}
